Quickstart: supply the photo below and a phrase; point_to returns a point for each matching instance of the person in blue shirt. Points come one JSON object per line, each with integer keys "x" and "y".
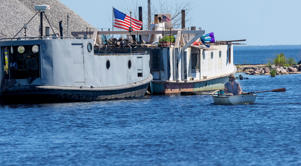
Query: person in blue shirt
{"x": 232, "y": 87}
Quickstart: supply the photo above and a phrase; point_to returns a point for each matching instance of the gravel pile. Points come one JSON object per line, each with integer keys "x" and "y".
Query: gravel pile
{"x": 15, "y": 13}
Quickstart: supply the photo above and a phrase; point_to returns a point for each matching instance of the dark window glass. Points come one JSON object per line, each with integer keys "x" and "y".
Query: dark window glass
{"x": 108, "y": 64}
{"x": 129, "y": 64}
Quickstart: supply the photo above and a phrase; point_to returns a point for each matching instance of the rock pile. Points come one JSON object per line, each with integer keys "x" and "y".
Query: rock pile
{"x": 265, "y": 69}
{"x": 15, "y": 13}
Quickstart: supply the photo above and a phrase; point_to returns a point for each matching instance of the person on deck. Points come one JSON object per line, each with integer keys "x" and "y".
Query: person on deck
{"x": 232, "y": 87}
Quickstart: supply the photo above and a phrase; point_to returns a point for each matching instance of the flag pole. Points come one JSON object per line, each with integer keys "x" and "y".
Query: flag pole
{"x": 130, "y": 29}
{"x": 113, "y": 19}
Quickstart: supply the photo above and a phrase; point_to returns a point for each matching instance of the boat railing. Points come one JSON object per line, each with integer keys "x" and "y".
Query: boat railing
{"x": 38, "y": 38}
{"x": 121, "y": 54}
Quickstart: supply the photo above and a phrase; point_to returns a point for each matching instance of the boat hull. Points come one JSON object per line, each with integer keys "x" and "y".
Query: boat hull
{"x": 234, "y": 100}
{"x": 63, "y": 70}
{"x": 49, "y": 94}
{"x": 167, "y": 87}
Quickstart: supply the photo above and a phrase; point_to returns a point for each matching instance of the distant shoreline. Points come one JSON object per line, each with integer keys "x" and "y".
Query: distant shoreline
{"x": 284, "y": 45}
{"x": 264, "y": 69}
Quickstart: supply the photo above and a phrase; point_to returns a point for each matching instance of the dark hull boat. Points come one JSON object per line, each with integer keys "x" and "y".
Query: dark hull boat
{"x": 53, "y": 68}
{"x": 69, "y": 70}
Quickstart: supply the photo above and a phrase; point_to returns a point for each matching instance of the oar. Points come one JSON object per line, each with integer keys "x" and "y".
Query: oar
{"x": 273, "y": 90}
{"x": 212, "y": 93}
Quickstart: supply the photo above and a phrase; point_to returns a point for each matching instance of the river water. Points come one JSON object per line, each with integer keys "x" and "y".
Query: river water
{"x": 159, "y": 130}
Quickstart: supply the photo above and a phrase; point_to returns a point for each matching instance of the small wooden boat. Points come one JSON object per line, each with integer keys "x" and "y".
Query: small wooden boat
{"x": 248, "y": 98}
{"x": 245, "y": 98}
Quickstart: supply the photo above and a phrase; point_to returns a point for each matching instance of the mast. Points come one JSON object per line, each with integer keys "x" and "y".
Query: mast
{"x": 41, "y": 23}
{"x": 149, "y": 14}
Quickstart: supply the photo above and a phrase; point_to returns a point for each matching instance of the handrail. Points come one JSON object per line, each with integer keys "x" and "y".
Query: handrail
{"x": 36, "y": 38}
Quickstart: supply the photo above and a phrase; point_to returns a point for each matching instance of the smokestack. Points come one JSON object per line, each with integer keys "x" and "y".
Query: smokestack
{"x": 140, "y": 15}
{"x": 47, "y": 31}
{"x": 149, "y": 14}
{"x": 183, "y": 19}
{"x": 61, "y": 29}
{"x": 156, "y": 19}
{"x": 140, "y": 19}
{"x": 68, "y": 18}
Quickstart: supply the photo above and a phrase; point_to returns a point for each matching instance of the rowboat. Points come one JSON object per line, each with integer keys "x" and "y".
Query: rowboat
{"x": 248, "y": 98}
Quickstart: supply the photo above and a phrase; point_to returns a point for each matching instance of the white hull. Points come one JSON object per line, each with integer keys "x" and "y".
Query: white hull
{"x": 234, "y": 100}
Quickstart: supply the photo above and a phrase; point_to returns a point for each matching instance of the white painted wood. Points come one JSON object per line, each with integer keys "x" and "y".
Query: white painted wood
{"x": 234, "y": 100}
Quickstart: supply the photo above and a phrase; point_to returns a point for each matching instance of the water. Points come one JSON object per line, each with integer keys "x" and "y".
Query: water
{"x": 264, "y": 54}
{"x": 161, "y": 130}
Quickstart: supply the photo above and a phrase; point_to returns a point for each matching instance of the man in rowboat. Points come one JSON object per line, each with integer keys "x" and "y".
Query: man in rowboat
{"x": 232, "y": 87}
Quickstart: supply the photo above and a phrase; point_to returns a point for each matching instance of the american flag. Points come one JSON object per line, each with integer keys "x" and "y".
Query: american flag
{"x": 124, "y": 21}
{"x": 165, "y": 18}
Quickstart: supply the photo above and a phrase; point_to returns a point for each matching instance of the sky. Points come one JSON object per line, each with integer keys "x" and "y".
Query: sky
{"x": 261, "y": 22}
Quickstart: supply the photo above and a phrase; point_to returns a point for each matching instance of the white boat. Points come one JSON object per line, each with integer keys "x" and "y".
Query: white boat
{"x": 234, "y": 100}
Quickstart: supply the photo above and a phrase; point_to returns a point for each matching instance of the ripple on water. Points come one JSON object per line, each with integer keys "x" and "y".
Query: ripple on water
{"x": 160, "y": 130}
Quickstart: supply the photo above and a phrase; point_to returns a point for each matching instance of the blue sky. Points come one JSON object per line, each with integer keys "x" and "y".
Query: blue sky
{"x": 261, "y": 22}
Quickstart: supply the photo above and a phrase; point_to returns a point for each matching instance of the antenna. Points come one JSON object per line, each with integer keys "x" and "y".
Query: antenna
{"x": 41, "y": 9}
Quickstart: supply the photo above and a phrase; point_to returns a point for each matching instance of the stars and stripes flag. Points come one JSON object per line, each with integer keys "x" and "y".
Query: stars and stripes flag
{"x": 165, "y": 18}
{"x": 124, "y": 21}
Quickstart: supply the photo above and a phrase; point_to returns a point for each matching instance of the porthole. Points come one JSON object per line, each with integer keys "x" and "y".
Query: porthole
{"x": 129, "y": 64}
{"x": 21, "y": 49}
{"x": 35, "y": 49}
{"x": 89, "y": 47}
{"x": 108, "y": 64}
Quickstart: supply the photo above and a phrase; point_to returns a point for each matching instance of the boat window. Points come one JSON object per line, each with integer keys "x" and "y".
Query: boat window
{"x": 108, "y": 64}
{"x": 220, "y": 54}
{"x": 212, "y": 54}
{"x": 21, "y": 62}
{"x": 229, "y": 54}
{"x": 129, "y": 64}
{"x": 89, "y": 47}
{"x": 204, "y": 55}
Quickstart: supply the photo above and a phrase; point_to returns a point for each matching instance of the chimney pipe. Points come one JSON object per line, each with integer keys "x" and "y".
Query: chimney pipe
{"x": 68, "y": 18}
{"x": 61, "y": 29}
{"x": 140, "y": 19}
{"x": 47, "y": 31}
{"x": 156, "y": 19}
{"x": 140, "y": 13}
{"x": 183, "y": 19}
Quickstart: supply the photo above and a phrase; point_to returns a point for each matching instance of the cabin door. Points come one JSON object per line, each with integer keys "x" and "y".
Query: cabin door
{"x": 78, "y": 69}
{"x": 140, "y": 66}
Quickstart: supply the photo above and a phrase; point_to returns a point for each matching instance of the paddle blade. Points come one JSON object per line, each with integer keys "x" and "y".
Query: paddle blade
{"x": 279, "y": 90}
